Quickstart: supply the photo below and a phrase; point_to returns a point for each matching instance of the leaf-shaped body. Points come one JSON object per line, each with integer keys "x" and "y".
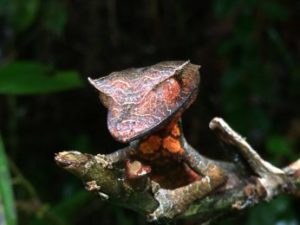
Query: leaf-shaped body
{"x": 141, "y": 99}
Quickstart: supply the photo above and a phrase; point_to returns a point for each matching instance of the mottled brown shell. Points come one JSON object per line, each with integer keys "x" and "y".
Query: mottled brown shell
{"x": 141, "y": 99}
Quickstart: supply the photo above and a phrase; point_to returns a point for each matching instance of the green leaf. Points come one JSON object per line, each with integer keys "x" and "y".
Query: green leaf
{"x": 20, "y": 78}
{"x": 6, "y": 192}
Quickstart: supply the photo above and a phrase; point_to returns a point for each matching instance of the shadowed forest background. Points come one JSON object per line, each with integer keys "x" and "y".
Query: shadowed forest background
{"x": 249, "y": 51}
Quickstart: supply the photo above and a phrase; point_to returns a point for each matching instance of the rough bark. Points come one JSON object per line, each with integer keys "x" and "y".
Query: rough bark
{"x": 250, "y": 180}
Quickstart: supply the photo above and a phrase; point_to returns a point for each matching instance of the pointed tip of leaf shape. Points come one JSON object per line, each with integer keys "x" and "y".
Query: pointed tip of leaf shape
{"x": 139, "y": 81}
{"x": 141, "y": 99}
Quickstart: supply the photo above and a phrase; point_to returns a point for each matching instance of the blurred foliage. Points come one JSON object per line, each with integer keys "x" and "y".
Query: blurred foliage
{"x": 7, "y": 205}
{"x": 249, "y": 51}
{"x": 21, "y": 78}
{"x": 281, "y": 213}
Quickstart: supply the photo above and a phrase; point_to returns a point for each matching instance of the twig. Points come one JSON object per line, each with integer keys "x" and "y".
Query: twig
{"x": 106, "y": 179}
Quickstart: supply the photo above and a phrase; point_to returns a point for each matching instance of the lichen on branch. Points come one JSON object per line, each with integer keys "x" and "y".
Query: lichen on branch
{"x": 101, "y": 175}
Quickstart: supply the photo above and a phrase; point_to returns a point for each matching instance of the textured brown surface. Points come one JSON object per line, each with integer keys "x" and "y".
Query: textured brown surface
{"x": 140, "y": 99}
{"x": 164, "y": 152}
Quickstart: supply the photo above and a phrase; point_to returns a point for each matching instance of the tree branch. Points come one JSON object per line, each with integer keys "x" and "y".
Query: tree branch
{"x": 105, "y": 178}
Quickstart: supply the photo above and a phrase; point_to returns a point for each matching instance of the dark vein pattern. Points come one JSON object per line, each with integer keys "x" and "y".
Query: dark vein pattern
{"x": 140, "y": 99}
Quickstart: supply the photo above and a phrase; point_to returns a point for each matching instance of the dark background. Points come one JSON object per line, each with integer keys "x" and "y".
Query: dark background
{"x": 249, "y": 51}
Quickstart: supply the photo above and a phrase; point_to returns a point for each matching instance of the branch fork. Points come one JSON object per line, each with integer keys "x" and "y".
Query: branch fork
{"x": 265, "y": 181}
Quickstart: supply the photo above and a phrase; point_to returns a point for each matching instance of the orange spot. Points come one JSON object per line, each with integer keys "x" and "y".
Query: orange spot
{"x": 172, "y": 145}
{"x": 170, "y": 91}
{"x": 150, "y": 145}
{"x": 175, "y": 130}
